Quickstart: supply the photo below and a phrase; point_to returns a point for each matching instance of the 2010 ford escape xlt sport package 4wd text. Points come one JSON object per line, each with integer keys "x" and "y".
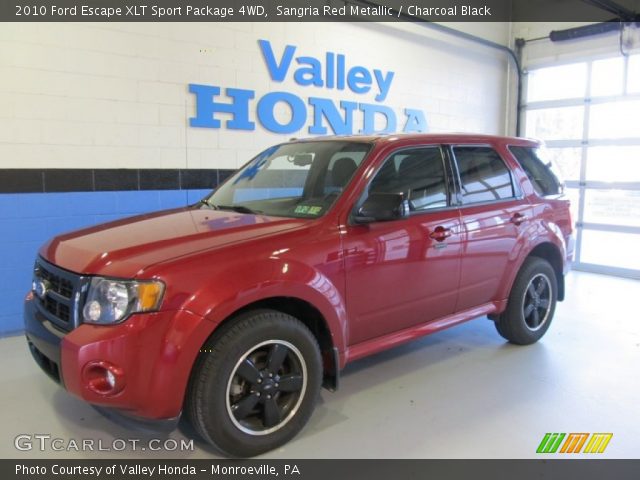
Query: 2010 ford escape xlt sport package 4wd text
{"x": 236, "y": 310}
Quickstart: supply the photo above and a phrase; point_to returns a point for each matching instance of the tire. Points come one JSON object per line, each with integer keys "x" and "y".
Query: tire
{"x": 531, "y": 305}
{"x": 255, "y": 383}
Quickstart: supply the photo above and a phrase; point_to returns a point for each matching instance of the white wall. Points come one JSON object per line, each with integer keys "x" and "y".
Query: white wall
{"x": 98, "y": 95}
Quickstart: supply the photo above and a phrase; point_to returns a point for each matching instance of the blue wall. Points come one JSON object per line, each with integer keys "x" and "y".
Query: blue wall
{"x": 28, "y": 220}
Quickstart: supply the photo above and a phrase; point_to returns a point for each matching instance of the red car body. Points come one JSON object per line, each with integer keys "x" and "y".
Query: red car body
{"x": 368, "y": 287}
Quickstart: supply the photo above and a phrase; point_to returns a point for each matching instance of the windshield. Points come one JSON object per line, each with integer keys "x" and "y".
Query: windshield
{"x": 292, "y": 180}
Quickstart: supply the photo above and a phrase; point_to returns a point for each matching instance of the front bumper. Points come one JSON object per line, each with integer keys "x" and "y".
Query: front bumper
{"x": 43, "y": 339}
{"x": 155, "y": 352}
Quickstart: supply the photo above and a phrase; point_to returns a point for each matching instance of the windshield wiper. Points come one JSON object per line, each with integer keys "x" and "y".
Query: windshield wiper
{"x": 235, "y": 208}
{"x": 204, "y": 201}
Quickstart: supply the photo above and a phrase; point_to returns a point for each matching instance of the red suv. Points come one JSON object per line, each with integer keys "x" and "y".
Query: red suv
{"x": 316, "y": 253}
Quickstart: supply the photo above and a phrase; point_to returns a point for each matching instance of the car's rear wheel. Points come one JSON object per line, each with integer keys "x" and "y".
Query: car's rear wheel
{"x": 531, "y": 305}
{"x": 255, "y": 384}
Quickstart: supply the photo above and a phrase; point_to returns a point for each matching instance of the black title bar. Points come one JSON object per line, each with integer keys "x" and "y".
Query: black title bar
{"x": 582, "y": 469}
{"x": 309, "y": 10}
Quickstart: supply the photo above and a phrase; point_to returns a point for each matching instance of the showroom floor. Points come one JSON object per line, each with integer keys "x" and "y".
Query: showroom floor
{"x": 462, "y": 393}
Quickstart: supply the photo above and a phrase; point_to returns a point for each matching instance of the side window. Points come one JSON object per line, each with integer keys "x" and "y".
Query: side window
{"x": 541, "y": 174}
{"x": 341, "y": 168}
{"x": 419, "y": 174}
{"x": 484, "y": 177}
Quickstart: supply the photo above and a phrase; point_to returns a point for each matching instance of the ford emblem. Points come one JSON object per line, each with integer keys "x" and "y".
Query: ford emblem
{"x": 40, "y": 289}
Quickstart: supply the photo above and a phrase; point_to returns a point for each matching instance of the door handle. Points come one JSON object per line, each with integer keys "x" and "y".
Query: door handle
{"x": 518, "y": 219}
{"x": 440, "y": 233}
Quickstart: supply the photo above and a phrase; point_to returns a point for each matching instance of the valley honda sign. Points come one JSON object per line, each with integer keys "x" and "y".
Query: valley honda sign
{"x": 331, "y": 72}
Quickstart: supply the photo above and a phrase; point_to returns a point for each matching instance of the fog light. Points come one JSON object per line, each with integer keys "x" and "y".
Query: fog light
{"x": 103, "y": 378}
{"x": 111, "y": 379}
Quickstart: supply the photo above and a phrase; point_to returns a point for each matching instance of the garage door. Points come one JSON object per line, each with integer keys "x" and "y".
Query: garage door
{"x": 588, "y": 113}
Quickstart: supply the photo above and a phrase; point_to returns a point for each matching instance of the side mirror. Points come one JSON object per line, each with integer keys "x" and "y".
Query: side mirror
{"x": 382, "y": 207}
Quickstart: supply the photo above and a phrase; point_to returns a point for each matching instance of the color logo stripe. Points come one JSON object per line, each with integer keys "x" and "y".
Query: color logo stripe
{"x": 550, "y": 443}
{"x": 574, "y": 442}
{"x": 598, "y": 442}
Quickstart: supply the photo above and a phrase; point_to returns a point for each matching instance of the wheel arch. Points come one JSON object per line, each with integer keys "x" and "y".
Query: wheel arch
{"x": 311, "y": 317}
{"x": 545, "y": 250}
{"x": 551, "y": 253}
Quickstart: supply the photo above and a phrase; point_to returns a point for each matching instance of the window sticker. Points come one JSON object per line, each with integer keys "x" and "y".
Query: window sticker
{"x": 308, "y": 210}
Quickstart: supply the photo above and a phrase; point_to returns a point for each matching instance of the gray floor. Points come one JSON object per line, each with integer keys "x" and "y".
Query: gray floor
{"x": 462, "y": 393}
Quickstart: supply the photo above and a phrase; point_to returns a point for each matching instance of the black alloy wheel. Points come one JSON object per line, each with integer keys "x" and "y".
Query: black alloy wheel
{"x": 531, "y": 304}
{"x": 255, "y": 383}
{"x": 537, "y": 302}
{"x": 266, "y": 387}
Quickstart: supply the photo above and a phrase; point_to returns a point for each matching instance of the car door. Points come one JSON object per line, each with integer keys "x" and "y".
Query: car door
{"x": 404, "y": 272}
{"x": 493, "y": 215}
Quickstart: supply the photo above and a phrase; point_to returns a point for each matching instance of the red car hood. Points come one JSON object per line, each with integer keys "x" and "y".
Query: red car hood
{"x": 125, "y": 247}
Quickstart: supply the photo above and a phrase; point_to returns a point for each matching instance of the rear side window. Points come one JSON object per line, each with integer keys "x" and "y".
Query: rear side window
{"x": 541, "y": 174}
{"x": 484, "y": 177}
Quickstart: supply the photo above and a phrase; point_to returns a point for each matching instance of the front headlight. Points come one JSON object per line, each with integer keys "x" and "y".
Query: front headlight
{"x": 112, "y": 301}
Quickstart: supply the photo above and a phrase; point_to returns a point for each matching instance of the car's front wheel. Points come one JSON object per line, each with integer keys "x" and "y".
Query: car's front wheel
{"x": 531, "y": 305}
{"x": 255, "y": 384}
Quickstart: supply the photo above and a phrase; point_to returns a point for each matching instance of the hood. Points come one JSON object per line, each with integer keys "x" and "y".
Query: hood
{"x": 125, "y": 247}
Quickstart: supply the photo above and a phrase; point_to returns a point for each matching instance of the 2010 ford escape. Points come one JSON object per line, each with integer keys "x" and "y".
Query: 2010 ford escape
{"x": 236, "y": 310}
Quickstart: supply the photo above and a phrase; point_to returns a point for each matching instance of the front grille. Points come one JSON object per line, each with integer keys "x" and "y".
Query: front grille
{"x": 58, "y": 284}
{"x": 58, "y": 292}
{"x": 57, "y": 308}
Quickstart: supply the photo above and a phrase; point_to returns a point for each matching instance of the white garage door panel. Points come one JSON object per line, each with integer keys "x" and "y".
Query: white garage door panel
{"x": 589, "y": 115}
{"x": 610, "y": 249}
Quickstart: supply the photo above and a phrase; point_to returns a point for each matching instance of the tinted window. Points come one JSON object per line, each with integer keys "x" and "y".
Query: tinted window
{"x": 301, "y": 179}
{"x": 418, "y": 174}
{"x": 483, "y": 175}
{"x": 341, "y": 168}
{"x": 541, "y": 174}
